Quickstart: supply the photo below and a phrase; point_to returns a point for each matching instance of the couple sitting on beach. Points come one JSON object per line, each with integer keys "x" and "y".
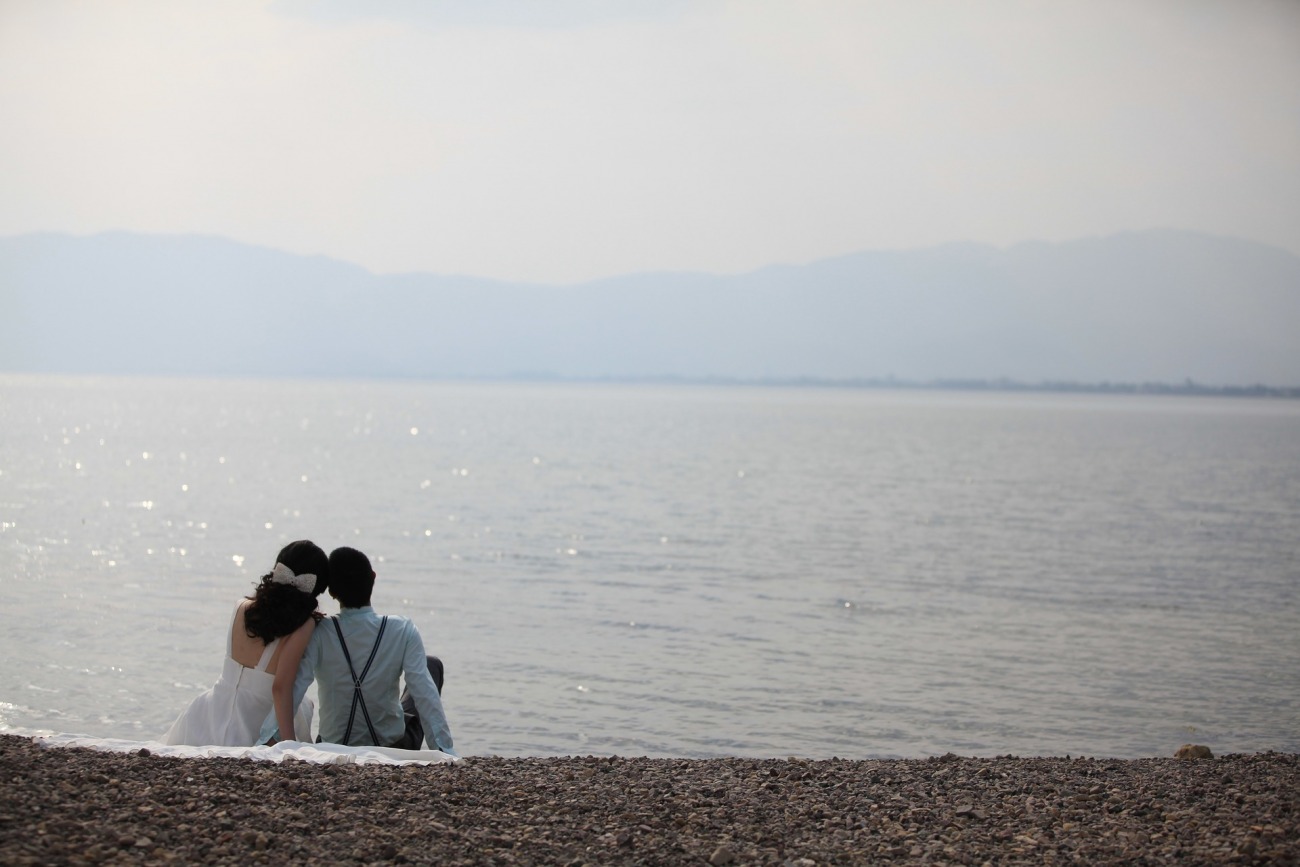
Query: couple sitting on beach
{"x": 278, "y": 643}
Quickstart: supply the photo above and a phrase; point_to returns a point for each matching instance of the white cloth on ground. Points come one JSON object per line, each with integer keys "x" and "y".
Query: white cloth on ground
{"x": 320, "y": 754}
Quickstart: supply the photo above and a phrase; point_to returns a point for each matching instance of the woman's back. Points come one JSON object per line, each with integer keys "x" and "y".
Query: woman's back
{"x": 232, "y": 712}
{"x": 275, "y": 622}
{"x": 248, "y": 650}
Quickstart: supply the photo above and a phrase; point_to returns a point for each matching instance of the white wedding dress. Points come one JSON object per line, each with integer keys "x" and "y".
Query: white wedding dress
{"x": 232, "y": 712}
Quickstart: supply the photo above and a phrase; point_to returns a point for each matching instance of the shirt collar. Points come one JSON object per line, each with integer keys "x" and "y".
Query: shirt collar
{"x": 363, "y": 611}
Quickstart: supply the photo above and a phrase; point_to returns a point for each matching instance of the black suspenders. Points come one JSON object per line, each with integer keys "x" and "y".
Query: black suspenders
{"x": 357, "y": 697}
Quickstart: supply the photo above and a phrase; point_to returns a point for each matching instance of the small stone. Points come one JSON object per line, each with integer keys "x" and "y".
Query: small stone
{"x": 722, "y": 855}
{"x": 1193, "y": 751}
{"x": 143, "y": 843}
{"x": 144, "y": 752}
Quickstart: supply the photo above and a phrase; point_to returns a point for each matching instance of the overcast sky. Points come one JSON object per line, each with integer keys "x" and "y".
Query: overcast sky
{"x": 566, "y": 140}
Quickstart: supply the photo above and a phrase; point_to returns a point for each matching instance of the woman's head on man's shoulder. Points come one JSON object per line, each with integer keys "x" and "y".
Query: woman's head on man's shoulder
{"x": 303, "y": 558}
{"x": 286, "y": 596}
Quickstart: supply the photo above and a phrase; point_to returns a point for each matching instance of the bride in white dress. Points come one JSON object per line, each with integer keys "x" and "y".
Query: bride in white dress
{"x": 266, "y": 640}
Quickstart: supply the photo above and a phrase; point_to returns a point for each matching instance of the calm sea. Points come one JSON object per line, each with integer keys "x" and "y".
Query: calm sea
{"x": 678, "y": 571}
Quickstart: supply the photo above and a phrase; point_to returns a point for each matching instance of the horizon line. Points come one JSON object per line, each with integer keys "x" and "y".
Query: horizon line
{"x": 997, "y": 385}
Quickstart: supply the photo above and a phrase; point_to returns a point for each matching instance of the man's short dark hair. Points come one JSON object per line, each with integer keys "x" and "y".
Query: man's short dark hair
{"x": 351, "y": 577}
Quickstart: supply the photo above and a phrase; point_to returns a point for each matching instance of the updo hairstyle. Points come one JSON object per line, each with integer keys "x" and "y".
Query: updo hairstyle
{"x": 279, "y": 609}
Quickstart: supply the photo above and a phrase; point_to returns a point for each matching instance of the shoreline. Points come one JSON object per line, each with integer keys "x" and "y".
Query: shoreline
{"x": 71, "y": 805}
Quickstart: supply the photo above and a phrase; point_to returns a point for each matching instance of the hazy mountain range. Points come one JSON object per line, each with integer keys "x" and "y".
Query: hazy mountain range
{"x": 1157, "y": 306}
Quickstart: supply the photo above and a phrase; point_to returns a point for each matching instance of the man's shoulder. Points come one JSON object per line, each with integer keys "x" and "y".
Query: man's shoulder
{"x": 397, "y": 621}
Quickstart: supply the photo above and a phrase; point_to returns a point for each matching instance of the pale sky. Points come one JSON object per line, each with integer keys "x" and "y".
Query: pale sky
{"x": 568, "y": 140}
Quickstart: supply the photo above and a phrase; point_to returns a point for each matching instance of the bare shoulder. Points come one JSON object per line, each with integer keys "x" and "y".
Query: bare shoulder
{"x": 304, "y": 631}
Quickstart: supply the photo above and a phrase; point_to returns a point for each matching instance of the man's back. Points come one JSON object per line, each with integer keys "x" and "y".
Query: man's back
{"x": 379, "y": 650}
{"x": 399, "y": 653}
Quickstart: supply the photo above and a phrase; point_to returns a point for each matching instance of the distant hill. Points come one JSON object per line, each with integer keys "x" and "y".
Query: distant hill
{"x": 1160, "y": 306}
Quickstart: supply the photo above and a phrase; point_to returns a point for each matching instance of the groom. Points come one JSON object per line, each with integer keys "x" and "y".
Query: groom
{"x": 356, "y": 659}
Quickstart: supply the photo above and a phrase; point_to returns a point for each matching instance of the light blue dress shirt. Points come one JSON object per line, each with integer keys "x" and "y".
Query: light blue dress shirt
{"x": 401, "y": 652}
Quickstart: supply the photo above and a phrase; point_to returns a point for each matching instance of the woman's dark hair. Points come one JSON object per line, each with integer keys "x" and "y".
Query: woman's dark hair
{"x": 278, "y": 609}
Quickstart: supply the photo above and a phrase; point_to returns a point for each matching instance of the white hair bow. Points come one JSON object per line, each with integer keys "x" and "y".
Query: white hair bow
{"x": 282, "y": 574}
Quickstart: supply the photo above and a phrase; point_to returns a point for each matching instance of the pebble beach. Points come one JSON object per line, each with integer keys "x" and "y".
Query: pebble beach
{"x": 74, "y": 806}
